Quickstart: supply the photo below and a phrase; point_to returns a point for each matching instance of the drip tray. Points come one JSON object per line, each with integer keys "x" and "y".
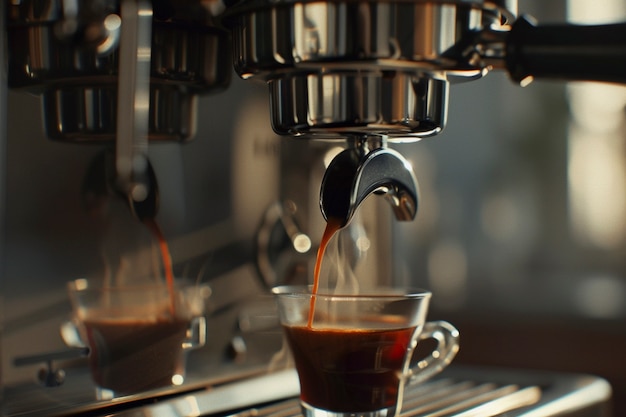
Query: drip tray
{"x": 458, "y": 391}
{"x": 440, "y": 398}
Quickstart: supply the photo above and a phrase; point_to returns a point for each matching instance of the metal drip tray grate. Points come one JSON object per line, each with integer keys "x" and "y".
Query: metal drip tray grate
{"x": 473, "y": 392}
{"x": 445, "y": 397}
{"x": 458, "y": 391}
{"x": 448, "y": 397}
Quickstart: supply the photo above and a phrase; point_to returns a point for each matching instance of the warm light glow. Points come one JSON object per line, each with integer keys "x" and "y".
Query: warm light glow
{"x": 597, "y": 180}
{"x": 301, "y": 243}
{"x": 145, "y": 13}
{"x": 597, "y": 165}
{"x": 143, "y": 54}
{"x": 112, "y": 22}
{"x": 596, "y": 12}
{"x": 81, "y": 284}
{"x": 193, "y": 408}
{"x": 597, "y": 106}
{"x": 363, "y": 243}
{"x": 597, "y": 149}
{"x": 526, "y": 81}
{"x": 177, "y": 379}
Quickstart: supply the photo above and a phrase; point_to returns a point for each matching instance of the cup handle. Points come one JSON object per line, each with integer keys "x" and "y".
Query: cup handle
{"x": 447, "y": 337}
{"x": 196, "y": 334}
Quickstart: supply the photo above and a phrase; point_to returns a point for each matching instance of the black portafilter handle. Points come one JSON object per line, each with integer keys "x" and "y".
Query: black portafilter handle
{"x": 566, "y": 52}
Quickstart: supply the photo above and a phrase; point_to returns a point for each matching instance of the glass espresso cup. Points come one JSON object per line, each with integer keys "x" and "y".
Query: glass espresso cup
{"x": 138, "y": 336}
{"x": 353, "y": 353}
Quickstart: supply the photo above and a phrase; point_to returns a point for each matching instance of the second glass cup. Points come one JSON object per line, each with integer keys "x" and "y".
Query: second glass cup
{"x": 138, "y": 336}
{"x": 353, "y": 352}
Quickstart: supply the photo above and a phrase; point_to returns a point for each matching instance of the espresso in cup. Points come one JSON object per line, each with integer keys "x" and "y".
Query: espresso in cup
{"x": 131, "y": 355}
{"x": 349, "y": 369}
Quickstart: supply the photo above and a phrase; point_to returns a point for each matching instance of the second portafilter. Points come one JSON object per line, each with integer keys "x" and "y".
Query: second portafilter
{"x": 119, "y": 72}
{"x": 378, "y": 72}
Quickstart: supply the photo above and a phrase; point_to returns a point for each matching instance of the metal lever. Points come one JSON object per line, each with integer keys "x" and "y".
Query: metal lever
{"x": 132, "y": 167}
{"x": 353, "y": 175}
{"x": 49, "y": 376}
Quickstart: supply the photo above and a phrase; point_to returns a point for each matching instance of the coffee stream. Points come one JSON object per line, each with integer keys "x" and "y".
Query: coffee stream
{"x": 167, "y": 262}
{"x": 332, "y": 226}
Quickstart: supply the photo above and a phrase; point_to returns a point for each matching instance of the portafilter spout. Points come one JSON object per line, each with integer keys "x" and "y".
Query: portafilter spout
{"x": 361, "y": 170}
{"x": 100, "y": 184}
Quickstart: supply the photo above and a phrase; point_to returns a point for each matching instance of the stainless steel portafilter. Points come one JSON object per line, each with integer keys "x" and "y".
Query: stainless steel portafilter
{"x": 71, "y": 53}
{"x": 380, "y": 71}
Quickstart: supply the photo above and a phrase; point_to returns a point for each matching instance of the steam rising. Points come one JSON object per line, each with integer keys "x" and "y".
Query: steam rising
{"x": 337, "y": 275}
{"x": 129, "y": 253}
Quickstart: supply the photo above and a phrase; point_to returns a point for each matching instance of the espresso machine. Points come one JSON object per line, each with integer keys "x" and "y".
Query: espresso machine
{"x": 159, "y": 110}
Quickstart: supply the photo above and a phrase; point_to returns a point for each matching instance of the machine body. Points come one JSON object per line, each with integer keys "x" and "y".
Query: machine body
{"x": 351, "y": 84}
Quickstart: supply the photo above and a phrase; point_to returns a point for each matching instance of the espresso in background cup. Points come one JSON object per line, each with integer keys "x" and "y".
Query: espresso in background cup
{"x": 138, "y": 336}
{"x": 353, "y": 352}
